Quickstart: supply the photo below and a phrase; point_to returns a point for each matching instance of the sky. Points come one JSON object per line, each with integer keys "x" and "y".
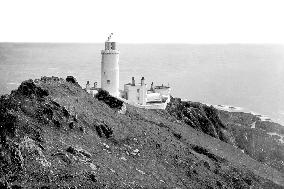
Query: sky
{"x": 142, "y": 21}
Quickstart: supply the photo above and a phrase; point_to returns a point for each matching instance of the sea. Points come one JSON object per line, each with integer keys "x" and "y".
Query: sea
{"x": 249, "y": 77}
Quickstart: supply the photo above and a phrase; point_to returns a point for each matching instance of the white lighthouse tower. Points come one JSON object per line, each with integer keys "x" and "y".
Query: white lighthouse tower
{"x": 110, "y": 68}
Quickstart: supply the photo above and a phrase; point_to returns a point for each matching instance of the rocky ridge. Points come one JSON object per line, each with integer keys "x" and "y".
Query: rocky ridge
{"x": 55, "y": 135}
{"x": 244, "y": 131}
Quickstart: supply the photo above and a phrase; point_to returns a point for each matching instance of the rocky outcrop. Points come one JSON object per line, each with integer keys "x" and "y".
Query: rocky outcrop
{"x": 103, "y": 130}
{"x": 29, "y": 89}
{"x": 245, "y": 131}
{"x": 55, "y": 135}
{"x": 200, "y": 117}
{"x": 73, "y": 80}
{"x": 259, "y": 139}
{"x": 108, "y": 99}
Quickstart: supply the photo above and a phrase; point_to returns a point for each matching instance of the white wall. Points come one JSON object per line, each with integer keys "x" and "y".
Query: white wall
{"x": 163, "y": 91}
{"x": 133, "y": 95}
{"x": 110, "y": 71}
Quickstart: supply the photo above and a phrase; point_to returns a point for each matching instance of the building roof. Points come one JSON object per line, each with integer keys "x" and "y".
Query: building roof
{"x": 128, "y": 84}
{"x": 161, "y": 87}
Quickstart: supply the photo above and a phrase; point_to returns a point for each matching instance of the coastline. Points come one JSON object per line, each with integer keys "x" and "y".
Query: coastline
{"x": 231, "y": 108}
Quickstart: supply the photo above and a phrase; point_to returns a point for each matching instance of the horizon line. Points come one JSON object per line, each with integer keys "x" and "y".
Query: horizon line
{"x": 144, "y": 43}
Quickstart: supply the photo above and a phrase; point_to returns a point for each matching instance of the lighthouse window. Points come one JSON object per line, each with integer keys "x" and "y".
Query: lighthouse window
{"x": 108, "y": 81}
{"x": 137, "y": 90}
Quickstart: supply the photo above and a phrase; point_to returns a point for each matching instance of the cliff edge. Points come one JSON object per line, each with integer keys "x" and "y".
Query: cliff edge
{"x": 56, "y": 135}
{"x": 261, "y": 140}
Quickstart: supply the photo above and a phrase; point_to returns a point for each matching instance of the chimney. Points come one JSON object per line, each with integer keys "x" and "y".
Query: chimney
{"x": 88, "y": 85}
{"x": 95, "y": 85}
{"x": 142, "y": 81}
{"x": 133, "y": 81}
{"x": 152, "y": 86}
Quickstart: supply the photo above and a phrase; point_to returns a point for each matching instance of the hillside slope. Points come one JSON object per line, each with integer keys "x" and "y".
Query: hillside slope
{"x": 261, "y": 140}
{"x": 55, "y": 135}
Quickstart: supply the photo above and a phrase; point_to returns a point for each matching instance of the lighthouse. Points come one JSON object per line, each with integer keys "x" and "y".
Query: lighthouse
{"x": 135, "y": 94}
{"x": 110, "y": 68}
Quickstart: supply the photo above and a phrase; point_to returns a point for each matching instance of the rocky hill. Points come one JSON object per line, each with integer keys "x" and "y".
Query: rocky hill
{"x": 261, "y": 140}
{"x": 55, "y": 135}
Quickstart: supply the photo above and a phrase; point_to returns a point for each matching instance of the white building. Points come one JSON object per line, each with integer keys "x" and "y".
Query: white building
{"x": 93, "y": 90}
{"x": 136, "y": 94}
{"x": 110, "y": 68}
{"x": 158, "y": 93}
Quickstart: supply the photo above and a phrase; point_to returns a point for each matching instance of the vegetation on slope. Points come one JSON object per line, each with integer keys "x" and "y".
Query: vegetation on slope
{"x": 200, "y": 117}
{"x": 242, "y": 130}
{"x": 254, "y": 137}
{"x": 55, "y": 135}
